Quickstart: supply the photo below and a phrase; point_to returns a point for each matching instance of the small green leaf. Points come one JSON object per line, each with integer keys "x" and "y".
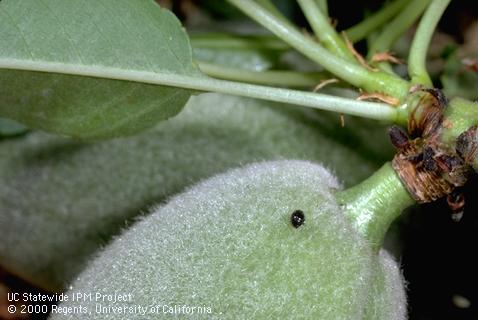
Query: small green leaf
{"x": 48, "y": 47}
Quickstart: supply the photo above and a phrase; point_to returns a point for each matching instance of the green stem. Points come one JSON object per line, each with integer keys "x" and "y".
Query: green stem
{"x": 238, "y": 42}
{"x": 365, "y": 27}
{"x": 398, "y": 26}
{"x": 385, "y": 66}
{"x": 324, "y": 31}
{"x": 271, "y": 8}
{"x": 270, "y": 77}
{"x": 373, "y": 204}
{"x": 379, "y": 111}
{"x": 461, "y": 114}
{"x": 418, "y": 51}
{"x": 350, "y": 72}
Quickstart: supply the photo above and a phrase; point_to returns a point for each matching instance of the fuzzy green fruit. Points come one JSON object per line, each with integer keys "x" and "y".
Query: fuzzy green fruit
{"x": 228, "y": 244}
{"x": 61, "y": 200}
{"x": 387, "y": 298}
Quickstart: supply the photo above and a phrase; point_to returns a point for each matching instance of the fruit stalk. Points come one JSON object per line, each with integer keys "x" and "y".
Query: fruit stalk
{"x": 373, "y": 204}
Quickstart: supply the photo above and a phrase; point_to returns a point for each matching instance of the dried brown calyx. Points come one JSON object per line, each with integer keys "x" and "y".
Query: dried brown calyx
{"x": 467, "y": 144}
{"x": 428, "y": 168}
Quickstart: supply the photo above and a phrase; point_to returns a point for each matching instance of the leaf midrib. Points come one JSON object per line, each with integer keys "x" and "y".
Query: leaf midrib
{"x": 97, "y": 71}
{"x": 201, "y": 82}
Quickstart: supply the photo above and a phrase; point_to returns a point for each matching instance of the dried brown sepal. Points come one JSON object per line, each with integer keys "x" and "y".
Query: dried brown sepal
{"x": 428, "y": 159}
{"x": 379, "y": 96}
{"x": 323, "y": 83}
{"x": 442, "y": 100}
{"x": 471, "y": 64}
{"x": 398, "y": 137}
{"x": 429, "y": 169}
{"x": 455, "y": 172}
{"x": 467, "y": 145}
{"x": 386, "y": 57}
{"x": 426, "y": 119}
{"x": 357, "y": 55}
{"x": 422, "y": 184}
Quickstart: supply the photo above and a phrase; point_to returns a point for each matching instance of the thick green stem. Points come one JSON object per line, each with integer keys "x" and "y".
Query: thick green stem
{"x": 270, "y": 77}
{"x": 373, "y": 204}
{"x": 418, "y": 51}
{"x": 398, "y": 26}
{"x": 324, "y": 31}
{"x": 365, "y": 27}
{"x": 350, "y": 72}
{"x": 461, "y": 114}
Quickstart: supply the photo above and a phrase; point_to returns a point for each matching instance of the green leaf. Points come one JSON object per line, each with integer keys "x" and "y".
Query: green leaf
{"x": 62, "y": 62}
{"x": 256, "y": 53}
